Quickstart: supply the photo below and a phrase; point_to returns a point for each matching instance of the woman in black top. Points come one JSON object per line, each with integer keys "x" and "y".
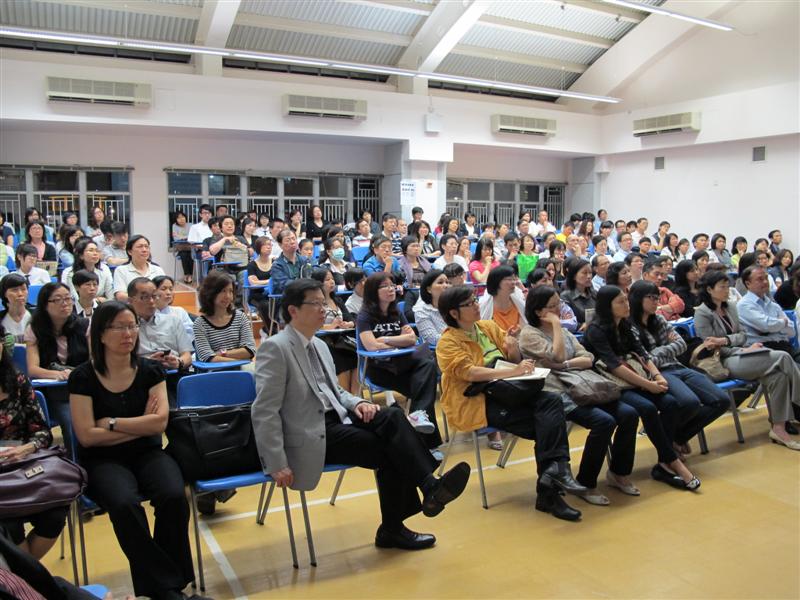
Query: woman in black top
{"x": 36, "y": 236}
{"x": 612, "y": 341}
{"x": 315, "y": 225}
{"x": 259, "y": 269}
{"x": 381, "y": 326}
{"x": 120, "y": 411}
{"x": 578, "y": 292}
{"x": 686, "y": 276}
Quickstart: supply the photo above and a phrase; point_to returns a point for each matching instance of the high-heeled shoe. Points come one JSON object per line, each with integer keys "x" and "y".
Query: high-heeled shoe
{"x": 550, "y": 501}
{"x": 558, "y": 474}
{"x": 776, "y": 439}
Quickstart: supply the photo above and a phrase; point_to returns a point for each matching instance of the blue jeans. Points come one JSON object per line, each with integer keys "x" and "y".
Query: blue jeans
{"x": 58, "y": 406}
{"x": 695, "y": 387}
{"x": 601, "y": 420}
{"x": 647, "y": 405}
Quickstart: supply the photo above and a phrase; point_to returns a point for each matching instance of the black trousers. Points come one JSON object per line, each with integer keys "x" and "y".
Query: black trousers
{"x": 541, "y": 420}
{"x": 187, "y": 263}
{"x": 158, "y": 562}
{"x": 417, "y": 381}
{"x": 390, "y": 445}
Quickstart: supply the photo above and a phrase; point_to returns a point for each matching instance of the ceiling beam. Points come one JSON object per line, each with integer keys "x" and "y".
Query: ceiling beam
{"x": 133, "y": 6}
{"x": 541, "y": 30}
{"x": 517, "y": 58}
{"x": 624, "y": 14}
{"x": 441, "y": 32}
{"x": 396, "y": 5}
{"x": 310, "y": 27}
{"x": 216, "y": 21}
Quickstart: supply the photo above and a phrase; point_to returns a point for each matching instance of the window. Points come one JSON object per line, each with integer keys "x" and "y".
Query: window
{"x": 224, "y": 185}
{"x": 262, "y": 195}
{"x": 109, "y": 191}
{"x": 499, "y": 201}
{"x": 12, "y": 196}
{"x": 296, "y": 188}
{"x": 478, "y": 190}
{"x": 184, "y": 184}
{"x": 263, "y": 186}
{"x": 57, "y": 181}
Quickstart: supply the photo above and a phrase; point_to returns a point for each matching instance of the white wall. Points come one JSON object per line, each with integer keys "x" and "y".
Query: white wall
{"x": 712, "y": 188}
{"x": 486, "y": 162}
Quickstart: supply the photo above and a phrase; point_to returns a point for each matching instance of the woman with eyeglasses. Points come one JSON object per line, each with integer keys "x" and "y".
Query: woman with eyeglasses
{"x": 700, "y": 401}
{"x": 611, "y": 340}
{"x": 555, "y": 348}
{"x": 120, "y": 411}
{"x": 504, "y": 301}
{"x": 466, "y": 354}
{"x": 56, "y": 343}
{"x": 87, "y": 258}
{"x": 686, "y": 277}
{"x": 381, "y": 326}
{"x": 138, "y": 265}
{"x": 579, "y": 293}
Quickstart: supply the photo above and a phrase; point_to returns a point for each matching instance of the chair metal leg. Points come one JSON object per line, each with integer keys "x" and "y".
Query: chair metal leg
{"x": 756, "y": 396}
{"x": 289, "y": 527}
{"x": 263, "y": 511}
{"x": 447, "y": 453}
{"x": 82, "y": 540}
{"x": 446, "y": 428}
{"x": 701, "y": 437}
{"x": 475, "y": 442}
{"x": 195, "y": 519}
{"x": 72, "y": 513}
{"x": 336, "y": 487}
{"x": 735, "y": 412}
{"x": 311, "y": 554}
{"x": 506, "y": 453}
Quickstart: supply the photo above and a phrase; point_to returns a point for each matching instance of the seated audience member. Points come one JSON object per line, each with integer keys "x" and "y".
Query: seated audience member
{"x": 449, "y": 225}
{"x": 390, "y": 232}
{"x": 85, "y": 284}
{"x": 56, "y": 343}
{"x": 335, "y": 261}
{"x": 295, "y": 382}
{"x": 259, "y": 269}
{"x": 700, "y": 401}
{"x": 764, "y": 261}
{"x": 354, "y": 280}
{"x": 96, "y": 218}
{"x": 686, "y": 278}
{"x": 645, "y": 245}
{"x": 229, "y": 246}
{"x": 382, "y": 327}
{"x": 558, "y": 254}
{"x": 608, "y": 231}
{"x": 426, "y": 310}
{"x": 625, "y": 242}
{"x": 413, "y": 266}
{"x": 545, "y": 341}
{"x": 635, "y": 262}
{"x": 670, "y": 249}
{"x": 87, "y": 258}
{"x": 567, "y": 229}
{"x": 527, "y": 259}
{"x": 248, "y": 234}
{"x": 422, "y": 231}
{"x": 26, "y": 258}
{"x": 296, "y": 224}
{"x": 455, "y": 274}
{"x": 544, "y": 277}
{"x": 222, "y": 333}
{"x": 314, "y": 224}
{"x": 383, "y": 261}
{"x": 733, "y": 295}
{"x": 788, "y": 294}
{"x": 115, "y": 253}
{"x": 15, "y": 316}
{"x": 33, "y": 214}
{"x": 701, "y": 259}
{"x": 504, "y": 301}
{"x": 6, "y": 232}
{"x": 640, "y": 230}
{"x": 718, "y": 253}
{"x": 263, "y": 226}
{"x": 500, "y": 241}
{"x": 775, "y": 240}
{"x": 105, "y": 238}
{"x": 670, "y": 306}
{"x": 781, "y": 267}
{"x": 747, "y": 259}
{"x": 762, "y": 245}
{"x": 23, "y": 431}
{"x": 69, "y": 236}
{"x": 216, "y": 235}
{"x": 305, "y": 248}
{"x": 464, "y": 249}
{"x": 611, "y": 340}
{"x": 542, "y": 225}
{"x": 466, "y": 354}
{"x": 619, "y": 274}
{"x": 700, "y": 242}
{"x": 684, "y": 250}
{"x": 162, "y": 337}
{"x": 762, "y": 319}
{"x": 139, "y": 265}
{"x": 660, "y": 237}
{"x": 511, "y": 245}
{"x": 165, "y": 295}
{"x": 448, "y": 245}
{"x": 35, "y": 236}
{"x": 599, "y": 246}
{"x": 600, "y": 264}
{"x": 469, "y": 228}
{"x": 338, "y": 317}
{"x": 738, "y": 248}
{"x": 578, "y": 291}
{"x": 276, "y": 225}
{"x": 120, "y": 448}
{"x": 720, "y": 325}
{"x": 483, "y": 261}
{"x": 289, "y": 265}
{"x": 364, "y": 237}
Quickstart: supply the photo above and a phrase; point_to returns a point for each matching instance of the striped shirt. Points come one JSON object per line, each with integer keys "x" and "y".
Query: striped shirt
{"x": 210, "y": 339}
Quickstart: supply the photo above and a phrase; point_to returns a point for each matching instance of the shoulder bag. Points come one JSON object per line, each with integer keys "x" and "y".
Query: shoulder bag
{"x": 709, "y": 362}
{"x": 587, "y": 388}
{"x": 631, "y": 361}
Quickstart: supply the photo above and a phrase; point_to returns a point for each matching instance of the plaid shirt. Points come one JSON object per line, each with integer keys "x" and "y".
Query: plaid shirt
{"x": 665, "y": 347}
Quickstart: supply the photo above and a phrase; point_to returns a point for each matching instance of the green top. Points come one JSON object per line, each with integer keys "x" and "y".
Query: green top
{"x": 525, "y": 265}
{"x": 490, "y": 351}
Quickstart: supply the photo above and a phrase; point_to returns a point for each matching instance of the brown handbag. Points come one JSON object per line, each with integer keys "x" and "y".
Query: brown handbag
{"x": 710, "y": 363}
{"x": 631, "y": 361}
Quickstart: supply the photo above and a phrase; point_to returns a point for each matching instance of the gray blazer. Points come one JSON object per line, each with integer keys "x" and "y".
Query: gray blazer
{"x": 707, "y": 323}
{"x": 288, "y": 414}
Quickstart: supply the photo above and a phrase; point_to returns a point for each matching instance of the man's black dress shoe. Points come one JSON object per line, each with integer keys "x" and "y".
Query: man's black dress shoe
{"x": 558, "y": 474}
{"x": 405, "y": 539}
{"x": 550, "y": 501}
{"x": 448, "y": 487}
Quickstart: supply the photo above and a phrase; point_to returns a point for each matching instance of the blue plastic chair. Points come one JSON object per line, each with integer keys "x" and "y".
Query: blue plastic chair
{"x": 687, "y": 325}
{"x": 33, "y": 294}
{"x": 729, "y": 386}
{"x": 794, "y": 341}
{"x": 21, "y": 358}
{"x": 96, "y": 590}
{"x": 501, "y": 461}
{"x": 358, "y": 253}
{"x": 363, "y": 358}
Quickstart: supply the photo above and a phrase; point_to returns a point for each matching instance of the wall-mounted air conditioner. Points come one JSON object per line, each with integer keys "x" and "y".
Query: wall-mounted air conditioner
{"x": 677, "y": 123}
{"x": 64, "y": 89}
{"x": 524, "y": 125}
{"x": 331, "y": 108}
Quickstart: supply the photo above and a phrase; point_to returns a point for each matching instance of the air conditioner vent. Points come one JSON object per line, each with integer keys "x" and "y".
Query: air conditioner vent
{"x": 330, "y": 108}
{"x": 677, "y": 123}
{"x": 63, "y": 89}
{"x": 523, "y": 125}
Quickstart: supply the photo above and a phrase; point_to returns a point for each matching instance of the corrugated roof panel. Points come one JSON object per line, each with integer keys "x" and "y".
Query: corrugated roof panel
{"x": 484, "y": 68}
{"x": 527, "y": 43}
{"x": 571, "y": 19}
{"x": 81, "y": 19}
{"x": 192, "y": 3}
{"x": 336, "y": 13}
{"x": 314, "y": 46}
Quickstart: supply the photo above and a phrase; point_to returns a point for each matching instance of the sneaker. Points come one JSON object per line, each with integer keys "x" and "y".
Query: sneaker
{"x": 420, "y": 422}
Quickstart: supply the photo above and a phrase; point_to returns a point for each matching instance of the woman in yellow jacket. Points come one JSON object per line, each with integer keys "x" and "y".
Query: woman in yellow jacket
{"x": 465, "y": 352}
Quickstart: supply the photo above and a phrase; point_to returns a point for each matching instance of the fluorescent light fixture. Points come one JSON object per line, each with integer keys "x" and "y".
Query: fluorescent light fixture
{"x": 669, "y": 13}
{"x": 175, "y": 48}
{"x": 58, "y": 37}
{"x": 375, "y": 69}
{"x": 281, "y": 59}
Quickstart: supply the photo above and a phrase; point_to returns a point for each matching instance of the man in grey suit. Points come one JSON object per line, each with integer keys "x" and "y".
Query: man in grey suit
{"x": 302, "y": 419}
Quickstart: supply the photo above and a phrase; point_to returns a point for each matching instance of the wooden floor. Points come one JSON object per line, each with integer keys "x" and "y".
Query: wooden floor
{"x": 738, "y": 537}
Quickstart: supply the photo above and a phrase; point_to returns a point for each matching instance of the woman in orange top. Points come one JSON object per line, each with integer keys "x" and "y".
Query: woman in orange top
{"x": 465, "y": 352}
{"x": 504, "y": 302}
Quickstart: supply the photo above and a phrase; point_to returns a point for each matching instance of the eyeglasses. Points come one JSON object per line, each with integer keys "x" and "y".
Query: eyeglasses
{"x": 472, "y": 302}
{"x": 318, "y": 305}
{"x": 123, "y": 328}
{"x": 61, "y": 300}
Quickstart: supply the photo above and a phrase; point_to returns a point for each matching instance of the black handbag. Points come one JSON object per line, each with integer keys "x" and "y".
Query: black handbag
{"x": 212, "y": 442}
{"x": 40, "y": 481}
{"x": 510, "y": 394}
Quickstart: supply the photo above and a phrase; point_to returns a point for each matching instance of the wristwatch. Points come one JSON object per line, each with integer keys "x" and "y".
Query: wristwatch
{"x": 111, "y": 422}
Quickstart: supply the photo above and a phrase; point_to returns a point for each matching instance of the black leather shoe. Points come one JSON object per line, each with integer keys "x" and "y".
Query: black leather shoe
{"x": 448, "y": 487}
{"x": 551, "y": 501}
{"x": 405, "y": 539}
{"x": 558, "y": 474}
